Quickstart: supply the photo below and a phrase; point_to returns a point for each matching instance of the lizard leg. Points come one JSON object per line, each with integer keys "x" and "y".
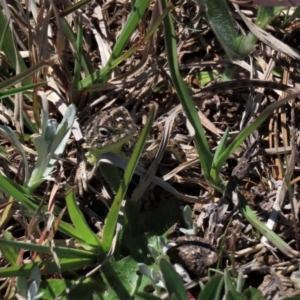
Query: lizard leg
{"x": 81, "y": 177}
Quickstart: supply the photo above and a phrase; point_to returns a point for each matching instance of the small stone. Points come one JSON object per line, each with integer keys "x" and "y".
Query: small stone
{"x": 295, "y": 278}
{"x": 195, "y": 254}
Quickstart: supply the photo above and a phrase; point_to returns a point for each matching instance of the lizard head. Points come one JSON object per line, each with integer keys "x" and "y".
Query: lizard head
{"x": 107, "y": 131}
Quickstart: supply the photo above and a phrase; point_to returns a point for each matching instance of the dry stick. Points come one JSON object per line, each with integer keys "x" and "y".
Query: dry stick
{"x": 292, "y": 162}
{"x": 241, "y": 83}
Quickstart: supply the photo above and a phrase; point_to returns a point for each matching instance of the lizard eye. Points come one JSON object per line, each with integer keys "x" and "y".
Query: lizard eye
{"x": 104, "y": 132}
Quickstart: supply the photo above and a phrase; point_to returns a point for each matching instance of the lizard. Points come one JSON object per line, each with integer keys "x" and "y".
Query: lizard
{"x": 108, "y": 140}
{"x": 106, "y": 131}
{"x": 112, "y": 130}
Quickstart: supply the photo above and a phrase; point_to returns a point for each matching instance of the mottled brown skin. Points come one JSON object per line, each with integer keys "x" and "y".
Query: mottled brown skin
{"x": 114, "y": 131}
{"x": 195, "y": 254}
{"x": 107, "y": 131}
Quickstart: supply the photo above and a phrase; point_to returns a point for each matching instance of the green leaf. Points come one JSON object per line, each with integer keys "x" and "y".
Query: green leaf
{"x": 50, "y": 145}
{"x": 253, "y": 294}
{"x": 78, "y": 220}
{"x": 22, "y": 195}
{"x": 144, "y": 296}
{"x": 212, "y": 289}
{"x": 221, "y": 22}
{"x": 188, "y": 217}
{"x": 34, "y": 284}
{"x": 205, "y": 77}
{"x": 18, "y": 192}
{"x": 10, "y": 253}
{"x": 266, "y": 14}
{"x": 52, "y": 288}
{"x": 63, "y": 131}
{"x": 121, "y": 277}
{"x": 228, "y": 282}
{"x": 173, "y": 281}
{"x": 233, "y": 295}
{"x": 22, "y": 286}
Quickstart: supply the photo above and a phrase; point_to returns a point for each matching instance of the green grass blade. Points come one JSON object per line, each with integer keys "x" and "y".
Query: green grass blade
{"x": 291, "y": 18}
{"x": 47, "y": 267}
{"x": 221, "y": 148}
{"x": 23, "y": 195}
{"x": 3, "y": 35}
{"x": 102, "y": 75}
{"x": 185, "y": 97}
{"x": 240, "y": 138}
{"x": 85, "y": 63}
{"x": 74, "y": 7}
{"x": 263, "y": 229}
{"x": 17, "y": 191}
{"x": 138, "y": 10}
{"x": 111, "y": 221}
{"x": 10, "y": 253}
{"x": 26, "y": 73}
{"x": 228, "y": 282}
{"x": 11, "y": 92}
{"x": 79, "y": 221}
{"x": 66, "y": 252}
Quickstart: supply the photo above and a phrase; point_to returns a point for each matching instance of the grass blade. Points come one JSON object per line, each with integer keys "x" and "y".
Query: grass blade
{"x": 111, "y": 221}
{"x": 185, "y": 97}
